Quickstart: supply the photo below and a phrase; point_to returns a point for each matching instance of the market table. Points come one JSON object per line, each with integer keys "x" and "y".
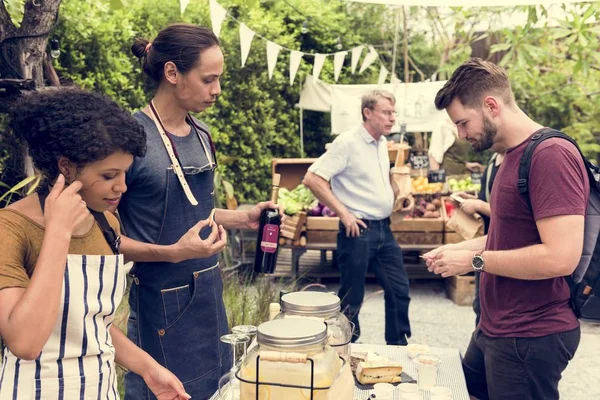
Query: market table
{"x": 450, "y": 373}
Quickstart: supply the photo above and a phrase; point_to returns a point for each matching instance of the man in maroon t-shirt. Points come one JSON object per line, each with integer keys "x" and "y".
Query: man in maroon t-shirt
{"x": 528, "y": 332}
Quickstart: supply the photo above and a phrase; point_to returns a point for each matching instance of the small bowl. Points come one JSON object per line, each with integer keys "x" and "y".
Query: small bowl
{"x": 414, "y": 350}
{"x": 408, "y": 388}
{"x": 383, "y": 387}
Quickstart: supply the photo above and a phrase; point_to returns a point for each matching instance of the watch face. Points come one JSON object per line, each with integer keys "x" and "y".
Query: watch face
{"x": 478, "y": 262}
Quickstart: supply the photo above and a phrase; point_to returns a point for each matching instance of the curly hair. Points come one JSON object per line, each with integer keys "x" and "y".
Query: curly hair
{"x": 80, "y": 125}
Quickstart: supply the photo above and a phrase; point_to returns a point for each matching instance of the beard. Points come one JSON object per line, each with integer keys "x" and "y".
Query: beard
{"x": 489, "y": 133}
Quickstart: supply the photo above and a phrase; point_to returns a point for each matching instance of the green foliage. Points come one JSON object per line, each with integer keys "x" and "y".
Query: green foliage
{"x": 247, "y": 302}
{"x": 555, "y": 73}
{"x": 24, "y": 188}
{"x": 15, "y": 9}
{"x": 255, "y": 119}
{"x": 554, "y": 70}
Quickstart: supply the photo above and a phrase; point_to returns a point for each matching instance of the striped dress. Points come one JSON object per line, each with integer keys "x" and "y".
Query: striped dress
{"x": 77, "y": 361}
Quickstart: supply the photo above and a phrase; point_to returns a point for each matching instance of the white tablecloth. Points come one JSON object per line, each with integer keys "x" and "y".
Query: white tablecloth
{"x": 450, "y": 373}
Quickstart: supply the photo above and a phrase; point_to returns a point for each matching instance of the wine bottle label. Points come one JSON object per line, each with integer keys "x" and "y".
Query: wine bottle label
{"x": 269, "y": 238}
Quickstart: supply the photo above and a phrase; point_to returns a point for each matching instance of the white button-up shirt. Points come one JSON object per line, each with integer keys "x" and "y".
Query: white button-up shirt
{"x": 358, "y": 169}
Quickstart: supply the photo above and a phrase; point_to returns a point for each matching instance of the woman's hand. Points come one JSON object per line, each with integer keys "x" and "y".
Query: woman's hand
{"x": 64, "y": 208}
{"x": 164, "y": 384}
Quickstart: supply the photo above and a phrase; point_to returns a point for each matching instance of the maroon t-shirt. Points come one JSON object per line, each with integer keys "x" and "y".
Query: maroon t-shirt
{"x": 558, "y": 185}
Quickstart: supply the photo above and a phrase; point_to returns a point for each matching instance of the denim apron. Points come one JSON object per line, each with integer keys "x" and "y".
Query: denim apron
{"x": 177, "y": 313}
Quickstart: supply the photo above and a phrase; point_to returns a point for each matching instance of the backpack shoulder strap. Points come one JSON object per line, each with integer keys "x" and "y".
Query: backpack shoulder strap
{"x": 525, "y": 162}
{"x": 109, "y": 233}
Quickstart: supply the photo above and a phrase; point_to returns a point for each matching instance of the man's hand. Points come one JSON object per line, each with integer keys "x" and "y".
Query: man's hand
{"x": 352, "y": 225}
{"x": 64, "y": 208}
{"x": 192, "y": 246}
{"x": 253, "y": 214}
{"x": 470, "y": 206}
{"x": 433, "y": 253}
{"x": 451, "y": 262}
{"x": 474, "y": 166}
{"x": 164, "y": 384}
{"x": 464, "y": 195}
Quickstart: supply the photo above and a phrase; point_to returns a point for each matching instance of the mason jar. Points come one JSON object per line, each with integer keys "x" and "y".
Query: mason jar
{"x": 282, "y": 356}
{"x": 321, "y": 307}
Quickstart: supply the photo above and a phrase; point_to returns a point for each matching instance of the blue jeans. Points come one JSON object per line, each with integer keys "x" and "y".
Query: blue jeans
{"x": 375, "y": 249}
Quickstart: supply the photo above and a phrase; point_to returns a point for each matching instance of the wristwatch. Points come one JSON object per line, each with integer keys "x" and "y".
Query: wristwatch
{"x": 477, "y": 262}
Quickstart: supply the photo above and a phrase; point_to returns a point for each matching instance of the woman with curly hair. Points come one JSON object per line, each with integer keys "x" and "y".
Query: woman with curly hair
{"x": 176, "y": 308}
{"x": 61, "y": 274}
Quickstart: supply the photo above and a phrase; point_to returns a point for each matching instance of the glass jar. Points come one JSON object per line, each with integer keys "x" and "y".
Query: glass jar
{"x": 284, "y": 348}
{"x": 323, "y": 307}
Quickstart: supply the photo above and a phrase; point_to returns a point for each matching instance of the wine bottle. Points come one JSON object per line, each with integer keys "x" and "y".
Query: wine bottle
{"x": 267, "y": 242}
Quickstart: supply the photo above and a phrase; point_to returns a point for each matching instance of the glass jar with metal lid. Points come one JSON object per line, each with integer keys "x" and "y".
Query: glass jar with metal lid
{"x": 324, "y": 307}
{"x": 290, "y": 355}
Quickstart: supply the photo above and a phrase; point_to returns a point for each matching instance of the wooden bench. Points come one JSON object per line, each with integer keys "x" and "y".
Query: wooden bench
{"x": 415, "y": 270}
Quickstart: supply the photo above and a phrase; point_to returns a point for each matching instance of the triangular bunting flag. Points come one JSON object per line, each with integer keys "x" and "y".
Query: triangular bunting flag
{"x": 338, "y": 63}
{"x": 217, "y": 15}
{"x": 295, "y": 59}
{"x": 183, "y": 5}
{"x": 383, "y": 73}
{"x": 369, "y": 58}
{"x": 356, "y": 52}
{"x": 318, "y": 65}
{"x": 246, "y": 36}
{"x": 272, "y": 54}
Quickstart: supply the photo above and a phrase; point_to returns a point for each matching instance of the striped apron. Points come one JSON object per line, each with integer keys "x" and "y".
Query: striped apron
{"x": 77, "y": 361}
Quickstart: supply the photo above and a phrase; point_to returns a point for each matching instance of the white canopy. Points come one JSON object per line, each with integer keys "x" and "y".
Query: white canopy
{"x": 414, "y": 103}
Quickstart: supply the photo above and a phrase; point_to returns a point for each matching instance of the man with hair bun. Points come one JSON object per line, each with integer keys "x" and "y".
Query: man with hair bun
{"x": 176, "y": 307}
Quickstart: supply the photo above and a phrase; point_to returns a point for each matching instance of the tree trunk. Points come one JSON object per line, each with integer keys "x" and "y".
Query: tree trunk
{"x": 22, "y": 53}
{"x": 23, "y": 48}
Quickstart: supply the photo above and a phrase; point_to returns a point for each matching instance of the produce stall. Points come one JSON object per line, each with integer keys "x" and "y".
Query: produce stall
{"x": 419, "y": 228}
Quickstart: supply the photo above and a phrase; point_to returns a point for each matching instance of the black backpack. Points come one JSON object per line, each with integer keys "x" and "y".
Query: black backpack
{"x": 585, "y": 280}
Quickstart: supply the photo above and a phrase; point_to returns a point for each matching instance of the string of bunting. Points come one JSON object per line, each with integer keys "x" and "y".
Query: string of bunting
{"x": 218, "y": 14}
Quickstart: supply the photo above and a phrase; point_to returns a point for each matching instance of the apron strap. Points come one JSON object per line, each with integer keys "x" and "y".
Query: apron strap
{"x": 113, "y": 240}
{"x": 174, "y": 161}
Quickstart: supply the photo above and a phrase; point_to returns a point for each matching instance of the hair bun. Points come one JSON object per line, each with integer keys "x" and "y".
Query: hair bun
{"x": 139, "y": 47}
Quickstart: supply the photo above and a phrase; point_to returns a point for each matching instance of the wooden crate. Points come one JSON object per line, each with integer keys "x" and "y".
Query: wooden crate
{"x": 452, "y": 237}
{"x": 292, "y": 170}
{"x": 417, "y": 230}
{"x": 461, "y": 289}
{"x": 292, "y": 227}
{"x": 432, "y": 238}
{"x": 321, "y": 237}
{"x": 322, "y": 224}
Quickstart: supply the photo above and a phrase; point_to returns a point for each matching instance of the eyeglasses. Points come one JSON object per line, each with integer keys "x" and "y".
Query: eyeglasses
{"x": 197, "y": 170}
{"x": 388, "y": 113}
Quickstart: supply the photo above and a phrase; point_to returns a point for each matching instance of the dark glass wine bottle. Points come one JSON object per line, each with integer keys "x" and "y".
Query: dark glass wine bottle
{"x": 267, "y": 243}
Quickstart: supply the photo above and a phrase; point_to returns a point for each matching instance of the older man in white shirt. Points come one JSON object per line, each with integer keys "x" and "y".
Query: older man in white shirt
{"x": 353, "y": 179}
